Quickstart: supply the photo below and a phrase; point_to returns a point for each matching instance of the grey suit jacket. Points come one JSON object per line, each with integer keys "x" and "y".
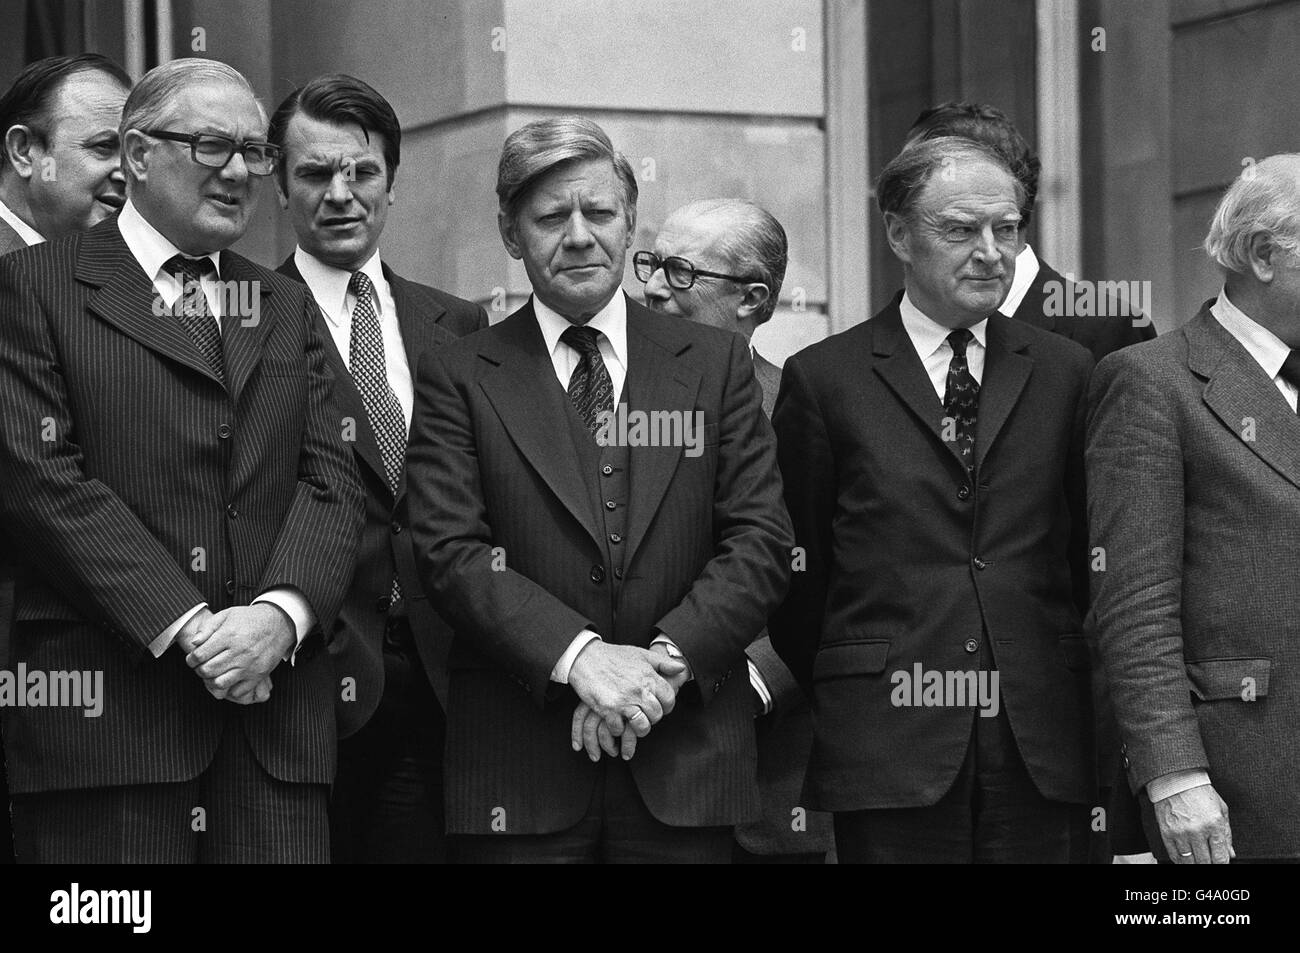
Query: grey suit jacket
{"x": 1193, "y": 466}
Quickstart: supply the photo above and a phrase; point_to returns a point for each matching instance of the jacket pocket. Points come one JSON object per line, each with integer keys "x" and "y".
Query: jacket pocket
{"x": 1220, "y": 679}
{"x": 858, "y": 657}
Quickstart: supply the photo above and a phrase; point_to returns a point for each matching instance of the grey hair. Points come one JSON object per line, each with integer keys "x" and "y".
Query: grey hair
{"x": 903, "y": 178}
{"x": 754, "y": 243}
{"x": 543, "y": 144}
{"x": 151, "y": 97}
{"x": 1262, "y": 201}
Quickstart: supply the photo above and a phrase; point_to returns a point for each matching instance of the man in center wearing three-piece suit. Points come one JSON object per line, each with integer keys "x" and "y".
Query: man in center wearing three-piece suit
{"x": 187, "y": 507}
{"x": 933, "y": 468}
{"x": 603, "y": 586}
{"x": 342, "y": 145}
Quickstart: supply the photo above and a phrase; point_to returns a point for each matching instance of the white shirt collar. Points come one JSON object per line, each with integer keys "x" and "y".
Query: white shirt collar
{"x": 610, "y": 321}
{"x": 1026, "y": 272}
{"x": 1268, "y": 350}
{"x": 150, "y": 247}
{"x": 28, "y": 234}
{"x": 329, "y": 285}
{"x": 929, "y": 335}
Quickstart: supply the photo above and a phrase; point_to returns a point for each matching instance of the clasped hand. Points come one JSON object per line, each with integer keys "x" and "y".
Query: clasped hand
{"x": 624, "y": 692}
{"x": 235, "y": 650}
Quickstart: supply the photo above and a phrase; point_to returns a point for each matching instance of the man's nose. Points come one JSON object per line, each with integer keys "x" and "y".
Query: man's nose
{"x": 117, "y": 176}
{"x": 657, "y": 286}
{"x": 340, "y": 190}
{"x": 236, "y": 170}
{"x": 986, "y": 246}
{"x": 576, "y": 233}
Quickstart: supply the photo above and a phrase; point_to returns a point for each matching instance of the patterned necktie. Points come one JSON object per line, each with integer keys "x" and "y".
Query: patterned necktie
{"x": 369, "y": 370}
{"x": 590, "y": 388}
{"x": 1290, "y": 372}
{"x": 192, "y": 308}
{"x": 961, "y": 397}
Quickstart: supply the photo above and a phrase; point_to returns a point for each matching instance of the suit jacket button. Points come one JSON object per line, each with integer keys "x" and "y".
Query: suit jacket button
{"x": 610, "y": 505}
{"x": 963, "y": 492}
{"x": 230, "y": 587}
{"x": 224, "y": 431}
{"x": 597, "y": 573}
{"x": 382, "y": 604}
{"x": 231, "y": 511}
{"x": 972, "y": 646}
{"x": 397, "y": 527}
{"x": 615, "y": 538}
{"x": 607, "y": 469}
{"x": 978, "y": 563}
{"x": 618, "y": 573}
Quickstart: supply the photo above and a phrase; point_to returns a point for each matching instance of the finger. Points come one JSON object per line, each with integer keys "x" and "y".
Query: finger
{"x": 1200, "y": 845}
{"x": 233, "y": 678}
{"x": 608, "y": 743}
{"x": 219, "y": 664}
{"x": 575, "y": 731}
{"x": 263, "y": 691}
{"x": 1220, "y": 848}
{"x": 214, "y": 691}
{"x": 629, "y": 745}
{"x": 210, "y": 648}
{"x": 638, "y": 722}
{"x": 650, "y": 705}
{"x": 589, "y": 739}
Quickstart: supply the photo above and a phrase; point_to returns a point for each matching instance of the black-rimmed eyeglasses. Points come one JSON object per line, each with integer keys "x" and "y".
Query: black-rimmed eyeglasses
{"x": 680, "y": 272}
{"x": 214, "y": 151}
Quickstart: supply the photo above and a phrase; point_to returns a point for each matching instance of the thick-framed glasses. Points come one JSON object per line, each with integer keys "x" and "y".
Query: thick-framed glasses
{"x": 214, "y": 151}
{"x": 680, "y": 272}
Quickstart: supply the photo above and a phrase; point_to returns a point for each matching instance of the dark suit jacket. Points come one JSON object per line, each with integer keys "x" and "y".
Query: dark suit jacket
{"x": 492, "y": 465}
{"x": 1100, "y": 334}
{"x": 10, "y": 241}
{"x": 908, "y": 563}
{"x": 144, "y": 487}
{"x": 428, "y": 318}
{"x": 1194, "y": 490}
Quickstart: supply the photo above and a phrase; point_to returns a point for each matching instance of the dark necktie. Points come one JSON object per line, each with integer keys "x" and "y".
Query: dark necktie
{"x": 192, "y": 308}
{"x": 961, "y": 397}
{"x": 590, "y": 388}
{"x": 369, "y": 370}
{"x": 1290, "y": 372}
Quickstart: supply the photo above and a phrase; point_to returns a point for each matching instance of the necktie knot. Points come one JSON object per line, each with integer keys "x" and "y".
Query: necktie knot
{"x": 583, "y": 339}
{"x": 958, "y": 340}
{"x": 190, "y": 269}
{"x": 360, "y": 285}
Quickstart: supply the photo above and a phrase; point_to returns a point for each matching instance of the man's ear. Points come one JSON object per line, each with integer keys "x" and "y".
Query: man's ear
{"x": 896, "y": 233}
{"x": 18, "y": 150}
{"x": 281, "y": 194}
{"x": 751, "y": 303}
{"x": 135, "y": 154}
{"x": 631, "y": 226}
{"x": 1261, "y": 253}
{"x": 392, "y": 188}
{"x": 509, "y": 236}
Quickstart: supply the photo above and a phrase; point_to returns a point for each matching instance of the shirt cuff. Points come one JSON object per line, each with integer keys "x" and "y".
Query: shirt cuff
{"x": 674, "y": 652}
{"x": 297, "y": 608}
{"x": 760, "y": 687}
{"x": 561, "y": 671}
{"x": 1176, "y": 782}
{"x": 161, "y": 644}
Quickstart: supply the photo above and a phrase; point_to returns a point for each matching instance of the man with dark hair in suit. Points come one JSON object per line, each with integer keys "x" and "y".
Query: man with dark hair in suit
{"x": 721, "y": 262}
{"x": 932, "y": 460}
{"x": 1037, "y": 289}
{"x": 188, "y": 509}
{"x": 60, "y": 174}
{"x": 61, "y": 171}
{"x": 596, "y": 507}
{"x": 1193, "y": 467}
{"x": 342, "y": 144}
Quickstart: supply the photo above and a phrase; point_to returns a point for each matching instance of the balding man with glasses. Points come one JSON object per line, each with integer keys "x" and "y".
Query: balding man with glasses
{"x": 188, "y": 505}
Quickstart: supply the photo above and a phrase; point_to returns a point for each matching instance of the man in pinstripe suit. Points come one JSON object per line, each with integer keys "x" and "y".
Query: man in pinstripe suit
{"x": 189, "y": 510}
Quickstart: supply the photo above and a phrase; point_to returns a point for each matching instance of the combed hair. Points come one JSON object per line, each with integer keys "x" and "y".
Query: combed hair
{"x": 754, "y": 243}
{"x": 1262, "y": 201}
{"x": 149, "y": 101}
{"x": 543, "y": 144}
{"x": 989, "y": 125}
{"x": 340, "y": 99}
{"x": 30, "y": 98}
{"x": 901, "y": 181}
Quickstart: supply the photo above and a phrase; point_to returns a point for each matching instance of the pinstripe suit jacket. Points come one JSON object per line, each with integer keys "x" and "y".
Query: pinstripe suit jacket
{"x": 492, "y": 464}
{"x": 141, "y": 486}
{"x": 428, "y": 318}
{"x": 1194, "y": 495}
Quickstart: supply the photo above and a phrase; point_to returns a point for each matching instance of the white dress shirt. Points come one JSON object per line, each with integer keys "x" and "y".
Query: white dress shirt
{"x": 611, "y": 322}
{"x": 1026, "y": 271}
{"x": 28, "y": 234}
{"x": 930, "y": 339}
{"x": 1263, "y": 345}
{"x": 152, "y": 250}
{"x": 329, "y": 286}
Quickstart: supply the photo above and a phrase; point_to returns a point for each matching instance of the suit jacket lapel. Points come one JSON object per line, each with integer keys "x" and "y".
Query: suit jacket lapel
{"x": 1238, "y": 392}
{"x": 532, "y": 405}
{"x": 243, "y": 336}
{"x": 415, "y": 320}
{"x": 1032, "y": 308}
{"x": 1006, "y": 371}
{"x": 126, "y": 298}
{"x": 659, "y": 382}
{"x": 904, "y": 374}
